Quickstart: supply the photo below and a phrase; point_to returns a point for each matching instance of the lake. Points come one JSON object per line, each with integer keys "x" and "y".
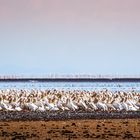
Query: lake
{"x": 71, "y": 85}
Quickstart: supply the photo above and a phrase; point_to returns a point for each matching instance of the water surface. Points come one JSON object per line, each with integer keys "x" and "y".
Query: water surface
{"x": 113, "y": 86}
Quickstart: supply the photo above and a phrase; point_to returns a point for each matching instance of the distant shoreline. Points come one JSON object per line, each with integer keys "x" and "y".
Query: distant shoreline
{"x": 69, "y": 79}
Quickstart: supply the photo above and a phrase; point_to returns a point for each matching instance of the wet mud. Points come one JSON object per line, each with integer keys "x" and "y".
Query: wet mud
{"x": 89, "y": 129}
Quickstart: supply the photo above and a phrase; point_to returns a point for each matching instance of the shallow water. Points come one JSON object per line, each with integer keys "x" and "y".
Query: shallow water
{"x": 112, "y": 86}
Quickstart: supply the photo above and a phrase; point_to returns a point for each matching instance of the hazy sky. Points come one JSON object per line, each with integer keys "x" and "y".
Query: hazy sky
{"x": 69, "y": 36}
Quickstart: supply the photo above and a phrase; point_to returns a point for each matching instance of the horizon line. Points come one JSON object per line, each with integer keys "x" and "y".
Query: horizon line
{"x": 70, "y": 76}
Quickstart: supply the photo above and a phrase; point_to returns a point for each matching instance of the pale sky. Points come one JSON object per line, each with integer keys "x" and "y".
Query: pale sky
{"x": 70, "y": 37}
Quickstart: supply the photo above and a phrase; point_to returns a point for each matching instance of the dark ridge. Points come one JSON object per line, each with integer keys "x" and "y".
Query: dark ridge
{"x": 47, "y": 116}
{"x": 70, "y": 80}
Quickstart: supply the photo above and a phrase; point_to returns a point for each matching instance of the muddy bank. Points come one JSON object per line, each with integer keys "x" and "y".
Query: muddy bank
{"x": 47, "y": 116}
{"x": 116, "y": 129}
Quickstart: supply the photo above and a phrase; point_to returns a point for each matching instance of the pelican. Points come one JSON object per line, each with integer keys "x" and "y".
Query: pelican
{"x": 71, "y": 105}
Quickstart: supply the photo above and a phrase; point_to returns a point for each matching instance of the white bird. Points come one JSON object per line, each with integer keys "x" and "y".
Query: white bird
{"x": 82, "y": 104}
{"x": 71, "y": 105}
{"x": 101, "y": 106}
{"x": 41, "y": 108}
{"x": 32, "y": 106}
{"x": 17, "y": 108}
{"x": 93, "y": 106}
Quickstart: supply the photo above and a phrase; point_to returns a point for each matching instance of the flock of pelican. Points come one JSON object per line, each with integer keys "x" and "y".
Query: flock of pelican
{"x": 68, "y": 100}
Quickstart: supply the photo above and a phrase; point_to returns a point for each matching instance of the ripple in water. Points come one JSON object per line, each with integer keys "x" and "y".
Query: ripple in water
{"x": 112, "y": 86}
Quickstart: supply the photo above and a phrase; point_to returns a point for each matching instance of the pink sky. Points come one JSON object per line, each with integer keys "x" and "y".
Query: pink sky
{"x": 84, "y": 36}
{"x": 73, "y": 12}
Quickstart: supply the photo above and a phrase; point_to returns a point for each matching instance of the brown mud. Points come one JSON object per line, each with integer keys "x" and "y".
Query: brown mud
{"x": 89, "y": 129}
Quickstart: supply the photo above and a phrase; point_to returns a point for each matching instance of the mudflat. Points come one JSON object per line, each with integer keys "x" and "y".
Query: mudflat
{"x": 115, "y": 129}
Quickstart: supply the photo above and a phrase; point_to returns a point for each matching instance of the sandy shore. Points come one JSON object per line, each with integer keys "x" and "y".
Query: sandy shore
{"x": 115, "y": 129}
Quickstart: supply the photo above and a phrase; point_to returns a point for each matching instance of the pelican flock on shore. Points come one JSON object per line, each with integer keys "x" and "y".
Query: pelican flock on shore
{"x": 68, "y": 100}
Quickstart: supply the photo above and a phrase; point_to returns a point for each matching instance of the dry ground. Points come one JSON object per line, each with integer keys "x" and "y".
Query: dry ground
{"x": 113, "y": 129}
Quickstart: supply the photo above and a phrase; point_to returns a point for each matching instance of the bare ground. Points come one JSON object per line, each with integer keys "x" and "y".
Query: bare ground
{"x": 69, "y": 125}
{"x": 91, "y": 129}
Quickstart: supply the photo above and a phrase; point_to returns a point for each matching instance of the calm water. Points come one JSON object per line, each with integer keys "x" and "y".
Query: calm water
{"x": 113, "y": 86}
